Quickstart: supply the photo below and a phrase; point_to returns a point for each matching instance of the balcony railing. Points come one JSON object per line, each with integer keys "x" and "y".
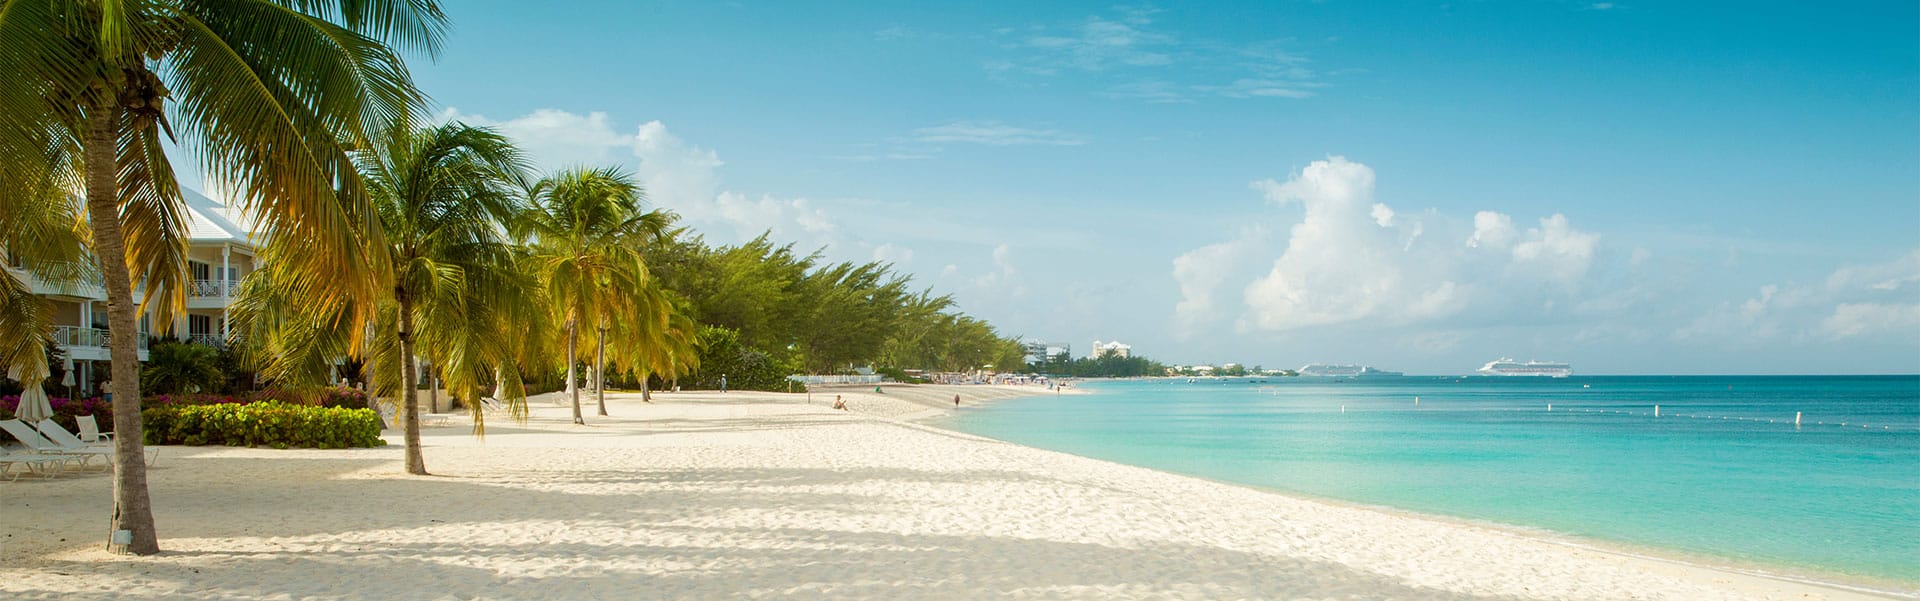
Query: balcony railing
{"x": 211, "y": 288}
{"x": 78, "y": 336}
{"x": 208, "y": 340}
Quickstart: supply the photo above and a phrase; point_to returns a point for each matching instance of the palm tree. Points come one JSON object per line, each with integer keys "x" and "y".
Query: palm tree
{"x": 442, "y": 195}
{"x": 661, "y": 340}
{"x": 269, "y": 95}
{"x": 586, "y": 231}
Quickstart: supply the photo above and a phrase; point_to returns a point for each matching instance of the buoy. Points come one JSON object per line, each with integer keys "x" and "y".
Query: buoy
{"x": 1549, "y": 407}
{"x": 1416, "y": 400}
{"x": 1656, "y": 411}
{"x": 1796, "y": 419}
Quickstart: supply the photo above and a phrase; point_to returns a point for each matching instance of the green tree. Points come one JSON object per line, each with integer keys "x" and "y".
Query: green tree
{"x": 267, "y": 96}
{"x": 441, "y": 196}
{"x": 175, "y": 367}
{"x": 586, "y": 231}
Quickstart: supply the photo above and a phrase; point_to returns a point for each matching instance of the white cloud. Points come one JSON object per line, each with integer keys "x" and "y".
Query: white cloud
{"x": 890, "y": 253}
{"x": 1340, "y": 264}
{"x": 1351, "y": 260}
{"x": 556, "y": 139}
{"x": 1200, "y": 273}
{"x": 1855, "y": 319}
{"x": 675, "y": 175}
{"x": 994, "y": 133}
{"x": 1555, "y": 247}
{"x": 1872, "y": 301}
{"x": 1005, "y": 279}
{"x": 1383, "y": 215}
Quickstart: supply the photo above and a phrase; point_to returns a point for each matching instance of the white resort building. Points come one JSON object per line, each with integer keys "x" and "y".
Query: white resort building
{"x": 1114, "y": 348}
{"x": 219, "y": 256}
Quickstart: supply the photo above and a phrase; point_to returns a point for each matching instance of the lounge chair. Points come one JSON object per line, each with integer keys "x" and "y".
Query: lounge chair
{"x": 25, "y": 434}
{"x": 71, "y": 443}
{"x": 33, "y": 462}
{"x": 90, "y": 431}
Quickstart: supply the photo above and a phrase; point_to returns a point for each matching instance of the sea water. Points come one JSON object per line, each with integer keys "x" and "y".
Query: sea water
{"x": 1722, "y": 472}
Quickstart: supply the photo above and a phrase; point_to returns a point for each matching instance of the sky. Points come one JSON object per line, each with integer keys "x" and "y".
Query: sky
{"x": 1631, "y": 187}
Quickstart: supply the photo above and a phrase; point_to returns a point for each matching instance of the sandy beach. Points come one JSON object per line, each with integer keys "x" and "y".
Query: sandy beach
{"x": 760, "y": 495}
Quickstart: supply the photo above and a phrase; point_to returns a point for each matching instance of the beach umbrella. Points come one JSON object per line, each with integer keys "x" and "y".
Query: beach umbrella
{"x": 34, "y": 405}
{"x": 66, "y": 378}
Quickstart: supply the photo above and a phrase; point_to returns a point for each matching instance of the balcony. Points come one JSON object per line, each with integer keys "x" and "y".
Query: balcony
{"x": 72, "y": 336}
{"x": 208, "y": 340}
{"x": 86, "y": 286}
{"x": 211, "y": 288}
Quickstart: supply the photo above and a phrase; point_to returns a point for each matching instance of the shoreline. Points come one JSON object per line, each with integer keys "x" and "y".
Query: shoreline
{"x": 702, "y": 495}
{"x": 1808, "y": 575}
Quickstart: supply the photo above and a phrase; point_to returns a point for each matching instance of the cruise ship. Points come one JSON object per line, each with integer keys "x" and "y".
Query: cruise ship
{"x": 1327, "y": 370}
{"x": 1508, "y": 367}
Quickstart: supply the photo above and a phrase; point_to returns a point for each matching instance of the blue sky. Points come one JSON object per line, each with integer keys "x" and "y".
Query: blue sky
{"x": 1632, "y": 187}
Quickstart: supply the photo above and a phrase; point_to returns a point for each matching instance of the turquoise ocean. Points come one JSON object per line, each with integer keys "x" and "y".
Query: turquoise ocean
{"x": 1722, "y": 474}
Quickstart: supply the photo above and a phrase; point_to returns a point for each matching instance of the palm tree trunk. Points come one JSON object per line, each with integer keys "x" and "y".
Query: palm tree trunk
{"x": 646, "y": 386}
{"x": 132, "y": 507}
{"x": 409, "y": 398}
{"x": 573, "y": 335}
{"x": 600, "y": 371}
{"x": 433, "y": 387}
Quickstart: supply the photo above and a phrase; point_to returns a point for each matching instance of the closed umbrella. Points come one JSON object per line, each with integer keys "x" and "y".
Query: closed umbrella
{"x": 34, "y": 405}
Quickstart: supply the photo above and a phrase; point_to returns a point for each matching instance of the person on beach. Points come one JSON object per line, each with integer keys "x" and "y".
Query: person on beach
{"x": 838, "y": 403}
{"x": 956, "y": 400}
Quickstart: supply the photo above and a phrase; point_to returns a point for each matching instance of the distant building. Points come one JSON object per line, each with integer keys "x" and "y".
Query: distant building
{"x": 1114, "y": 348}
{"x": 1041, "y": 351}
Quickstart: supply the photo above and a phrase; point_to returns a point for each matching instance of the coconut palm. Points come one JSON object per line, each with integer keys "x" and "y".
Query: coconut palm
{"x": 586, "y": 231}
{"x": 45, "y": 240}
{"x": 660, "y": 341}
{"x": 267, "y": 95}
{"x": 442, "y": 195}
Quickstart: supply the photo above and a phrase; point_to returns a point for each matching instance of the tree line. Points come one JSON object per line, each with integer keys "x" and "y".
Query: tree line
{"x": 385, "y": 238}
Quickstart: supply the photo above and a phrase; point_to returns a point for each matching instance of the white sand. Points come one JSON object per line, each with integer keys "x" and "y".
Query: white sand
{"x": 750, "y": 495}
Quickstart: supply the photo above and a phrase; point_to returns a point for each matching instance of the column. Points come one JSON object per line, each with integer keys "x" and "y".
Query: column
{"x": 226, "y": 266}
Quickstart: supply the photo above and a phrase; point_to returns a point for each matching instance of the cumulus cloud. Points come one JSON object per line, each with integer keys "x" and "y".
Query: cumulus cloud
{"x": 1343, "y": 262}
{"x": 1351, "y": 259}
{"x": 1202, "y": 271}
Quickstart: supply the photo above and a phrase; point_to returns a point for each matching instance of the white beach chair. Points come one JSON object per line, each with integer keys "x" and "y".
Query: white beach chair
{"x": 90, "y": 431}
{"x": 32, "y": 462}
{"x": 25, "y": 434}
{"x": 70, "y": 443}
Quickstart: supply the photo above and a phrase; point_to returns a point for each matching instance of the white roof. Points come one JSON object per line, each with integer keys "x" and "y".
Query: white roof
{"x": 210, "y": 221}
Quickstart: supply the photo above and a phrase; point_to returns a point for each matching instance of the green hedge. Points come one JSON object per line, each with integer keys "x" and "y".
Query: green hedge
{"x": 272, "y": 424}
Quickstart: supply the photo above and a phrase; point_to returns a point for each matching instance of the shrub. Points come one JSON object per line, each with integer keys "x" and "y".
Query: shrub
{"x": 343, "y": 397}
{"x": 64, "y": 410}
{"x": 268, "y": 423}
{"x": 176, "y": 367}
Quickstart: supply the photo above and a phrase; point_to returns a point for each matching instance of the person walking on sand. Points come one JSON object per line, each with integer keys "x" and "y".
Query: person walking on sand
{"x": 956, "y": 400}
{"x": 838, "y": 403}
